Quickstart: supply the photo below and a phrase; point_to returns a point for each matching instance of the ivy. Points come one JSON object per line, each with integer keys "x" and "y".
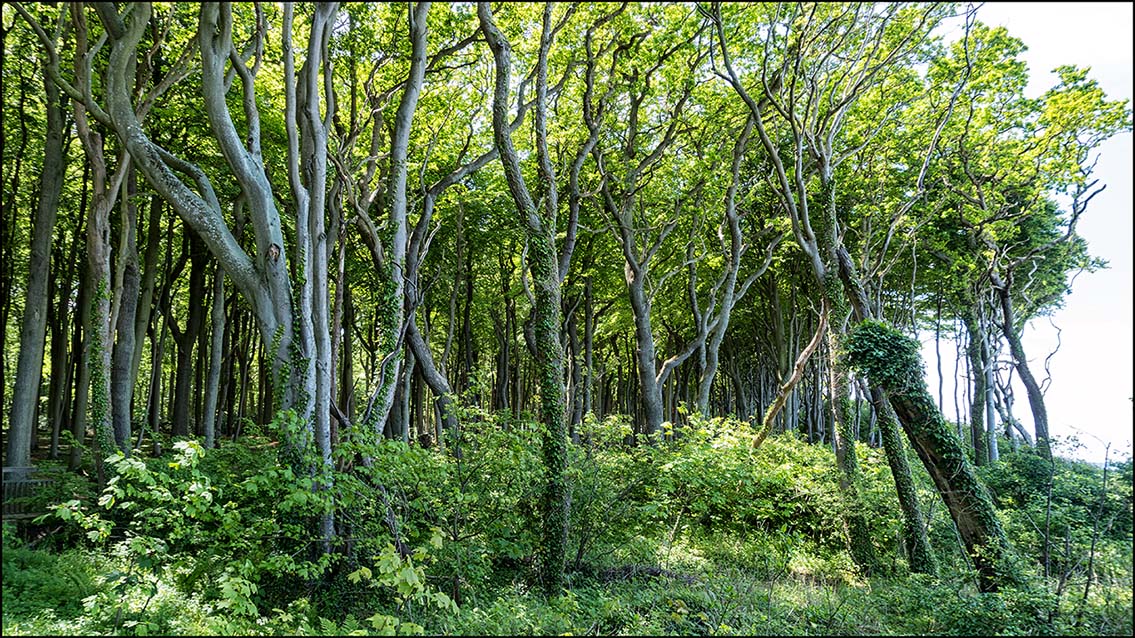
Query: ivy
{"x": 885, "y": 355}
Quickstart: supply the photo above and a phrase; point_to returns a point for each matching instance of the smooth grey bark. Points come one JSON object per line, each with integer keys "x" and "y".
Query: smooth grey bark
{"x": 716, "y": 316}
{"x": 390, "y": 256}
{"x": 104, "y": 194}
{"x": 399, "y": 147}
{"x": 1008, "y": 326}
{"x": 990, "y": 416}
{"x": 213, "y": 380}
{"x": 307, "y": 174}
{"x": 126, "y": 297}
{"x": 29, "y": 366}
{"x": 649, "y": 383}
{"x": 263, "y": 280}
{"x": 401, "y": 413}
{"x": 637, "y": 256}
{"x": 978, "y": 404}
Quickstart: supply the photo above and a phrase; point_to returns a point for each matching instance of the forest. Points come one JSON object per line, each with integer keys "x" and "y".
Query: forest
{"x": 543, "y": 318}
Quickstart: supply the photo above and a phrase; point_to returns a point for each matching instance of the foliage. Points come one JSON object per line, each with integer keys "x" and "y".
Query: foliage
{"x": 744, "y": 542}
{"x": 885, "y": 355}
{"x": 924, "y": 159}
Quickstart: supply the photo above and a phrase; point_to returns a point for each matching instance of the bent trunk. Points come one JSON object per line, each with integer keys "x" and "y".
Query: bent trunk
{"x": 891, "y": 360}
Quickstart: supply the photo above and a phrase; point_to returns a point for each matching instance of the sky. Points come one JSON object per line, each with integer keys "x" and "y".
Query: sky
{"x": 1090, "y": 396}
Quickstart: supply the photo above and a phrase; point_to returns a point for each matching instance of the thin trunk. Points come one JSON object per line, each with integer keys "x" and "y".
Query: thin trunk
{"x": 975, "y": 353}
{"x": 576, "y": 380}
{"x": 918, "y": 551}
{"x": 63, "y": 360}
{"x": 938, "y": 352}
{"x": 29, "y": 366}
{"x": 154, "y": 402}
{"x": 437, "y": 382}
{"x": 990, "y": 416}
{"x": 187, "y": 339}
{"x": 82, "y": 385}
{"x": 651, "y": 394}
{"x": 347, "y": 374}
{"x": 122, "y": 374}
{"x": 149, "y": 281}
{"x": 543, "y": 263}
{"x": 465, "y": 345}
{"x": 588, "y": 347}
{"x": 1032, "y": 388}
{"x": 215, "y": 351}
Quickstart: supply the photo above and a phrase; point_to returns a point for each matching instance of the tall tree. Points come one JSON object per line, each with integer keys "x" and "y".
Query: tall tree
{"x": 543, "y": 262}
{"x": 29, "y": 368}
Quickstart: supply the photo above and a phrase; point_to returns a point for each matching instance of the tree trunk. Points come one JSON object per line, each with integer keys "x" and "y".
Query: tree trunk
{"x": 543, "y": 263}
{"x": 187, "y": 339}
{"x": 974, "y": 350}
{"x": 1032, "y": 388}
{"x": 149, "y": 282}
{"x": 213, "y": 381}
{"x": 650, "y": 392}
{"x": 122, "y": 374}
{"x": 347, "y": 375}
{"x": 437, "y": 382}
{"x": 154, "y": 402}
{"x": 891, "y": 360}
{"x": 29, "y": 367}
{"x": 918, "y": 551}
{"x": 576, "y": 382}
{"x": 99, "y": 337}
{"x": 990, "y": 418}
{"x": 81, "y": 348}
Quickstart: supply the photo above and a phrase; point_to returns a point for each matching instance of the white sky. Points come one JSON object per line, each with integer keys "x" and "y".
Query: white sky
{"x": 1091, "y": 388}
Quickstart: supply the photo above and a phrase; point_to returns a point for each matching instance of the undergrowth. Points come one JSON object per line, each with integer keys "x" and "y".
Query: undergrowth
{"x": 697, "y": 534}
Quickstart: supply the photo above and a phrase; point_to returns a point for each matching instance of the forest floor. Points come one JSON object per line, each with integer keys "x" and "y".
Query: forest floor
{"x": 696, "y": 537}
{"x": 59, "y": 594}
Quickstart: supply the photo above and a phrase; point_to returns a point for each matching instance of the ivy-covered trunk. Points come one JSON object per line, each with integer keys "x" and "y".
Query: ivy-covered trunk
{"x": 832, "y": 289}
{"x": 850, "y": 478}
{"x": 891, "y": 360}
{"x": 543, "y": 263}
{"x": 914, "y": 531}
{"x": 918, "y": 552}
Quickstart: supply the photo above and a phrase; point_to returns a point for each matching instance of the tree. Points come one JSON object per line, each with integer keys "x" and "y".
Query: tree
{"x": 29, "y": 369}
{"x": 544, "y": 264}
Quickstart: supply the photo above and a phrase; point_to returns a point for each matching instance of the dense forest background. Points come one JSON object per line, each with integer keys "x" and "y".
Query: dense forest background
{"x": 541, "y": 318}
